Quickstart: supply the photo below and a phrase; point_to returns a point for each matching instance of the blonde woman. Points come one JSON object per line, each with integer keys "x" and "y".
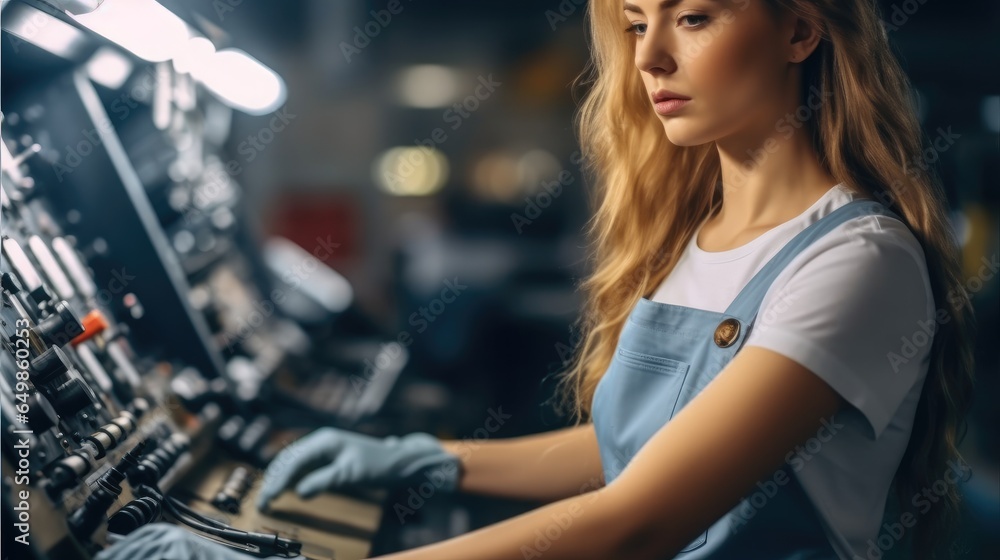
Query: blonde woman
{"x": 776, "y": 342}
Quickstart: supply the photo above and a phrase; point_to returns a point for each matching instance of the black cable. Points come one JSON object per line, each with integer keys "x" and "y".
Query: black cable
{"x": 174, "y": 505}
{"x": 194, "y": 523}
{"x": 262, "y": 543}
{"x": 196, "y": 514}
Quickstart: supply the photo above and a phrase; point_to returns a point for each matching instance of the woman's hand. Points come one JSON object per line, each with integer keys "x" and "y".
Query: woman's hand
{"x": 331, "y": 458}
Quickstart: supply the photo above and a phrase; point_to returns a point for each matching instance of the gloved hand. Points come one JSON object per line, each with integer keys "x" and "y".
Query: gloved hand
{"x": 163, "y": 541}
{"x": 331, "y": 458}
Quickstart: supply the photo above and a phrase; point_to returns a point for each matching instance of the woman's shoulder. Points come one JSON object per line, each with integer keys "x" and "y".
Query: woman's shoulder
{"x": 870, "y": 233}
{"x": 872, "y": 252}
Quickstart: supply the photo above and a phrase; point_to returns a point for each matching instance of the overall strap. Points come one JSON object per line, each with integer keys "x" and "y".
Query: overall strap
{"x": 746, "y": 305}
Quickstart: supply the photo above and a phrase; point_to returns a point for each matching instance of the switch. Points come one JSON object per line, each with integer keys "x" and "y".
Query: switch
{"x": 51, "y": 267}
{"x": 9, "y": 282}
{"x": 21, "y": 264}
{"x": 75, "y": 267}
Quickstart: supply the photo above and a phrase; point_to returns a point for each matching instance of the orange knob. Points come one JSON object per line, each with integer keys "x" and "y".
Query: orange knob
{"x": 93, "y": 323}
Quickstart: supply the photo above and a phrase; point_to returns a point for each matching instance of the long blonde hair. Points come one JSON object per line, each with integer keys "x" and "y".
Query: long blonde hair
{"x": 651, "y": 195}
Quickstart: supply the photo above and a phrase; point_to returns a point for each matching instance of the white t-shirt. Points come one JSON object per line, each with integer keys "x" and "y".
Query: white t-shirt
{"x": 856, "y": 308}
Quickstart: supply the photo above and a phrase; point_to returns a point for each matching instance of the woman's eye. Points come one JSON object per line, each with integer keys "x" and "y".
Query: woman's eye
{"x": 699, "y": 19}
{"x": 694, "y": 21}
{"x": 634, "y": 28}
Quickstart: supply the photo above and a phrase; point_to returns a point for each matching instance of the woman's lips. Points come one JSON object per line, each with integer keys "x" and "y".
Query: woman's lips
{"x": 670, "y": 105}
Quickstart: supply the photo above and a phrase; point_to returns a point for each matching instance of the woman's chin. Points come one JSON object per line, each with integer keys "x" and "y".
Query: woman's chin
{"x": 681, "y": 134}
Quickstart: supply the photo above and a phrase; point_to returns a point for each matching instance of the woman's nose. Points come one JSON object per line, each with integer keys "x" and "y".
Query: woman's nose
{"x": 654, "y": 56}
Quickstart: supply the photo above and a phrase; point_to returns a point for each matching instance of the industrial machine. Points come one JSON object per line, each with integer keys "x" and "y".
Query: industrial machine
{"x": 154, "y": 355}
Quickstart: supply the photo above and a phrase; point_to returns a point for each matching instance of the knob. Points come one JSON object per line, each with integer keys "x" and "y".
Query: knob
{"x": 72, "y": 397}
{"x": 139, "y": 407}
{"x": 108, "y": 436}
{"x": 48, "y": 365}
{"x": 60, "y": 327}
{"x": 233, "y": 491}
{"x": 67, "y": 472}
{"x": 133, "y": 515}
{"x": 85, "y": 520}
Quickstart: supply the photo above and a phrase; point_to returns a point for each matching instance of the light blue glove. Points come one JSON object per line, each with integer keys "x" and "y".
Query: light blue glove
{"x": 163, "y": 541}
{"x": 331, "y": 458}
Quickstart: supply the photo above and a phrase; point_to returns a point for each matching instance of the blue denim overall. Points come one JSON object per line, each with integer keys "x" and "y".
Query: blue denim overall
{"x": 666, "y": 355}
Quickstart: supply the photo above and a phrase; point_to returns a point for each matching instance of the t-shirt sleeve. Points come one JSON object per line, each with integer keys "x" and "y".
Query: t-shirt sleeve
{"x": 857, "y": 311}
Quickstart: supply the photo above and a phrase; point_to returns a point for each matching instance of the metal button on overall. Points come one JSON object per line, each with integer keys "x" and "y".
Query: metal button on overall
{"x": 726, "y": 332}
{"x": 666, "y": 355}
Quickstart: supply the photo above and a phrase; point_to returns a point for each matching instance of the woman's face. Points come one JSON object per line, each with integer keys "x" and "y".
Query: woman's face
{"x": 730, "y": 57}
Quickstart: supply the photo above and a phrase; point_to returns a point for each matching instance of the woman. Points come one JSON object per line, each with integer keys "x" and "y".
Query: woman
{"x": 795, "y": 108}
{"x": 776, "y": 336}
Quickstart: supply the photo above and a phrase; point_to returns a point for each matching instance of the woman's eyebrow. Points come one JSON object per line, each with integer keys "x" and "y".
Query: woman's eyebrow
{"x": 663, "y": 6}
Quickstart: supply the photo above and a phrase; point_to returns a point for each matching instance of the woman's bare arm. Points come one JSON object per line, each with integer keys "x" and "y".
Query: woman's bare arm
{"x": 544, "y": 467}
{"x": 693, "y": 470}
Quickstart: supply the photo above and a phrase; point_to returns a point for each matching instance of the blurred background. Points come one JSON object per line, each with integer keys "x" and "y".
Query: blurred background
{"x": 373, "y": 212}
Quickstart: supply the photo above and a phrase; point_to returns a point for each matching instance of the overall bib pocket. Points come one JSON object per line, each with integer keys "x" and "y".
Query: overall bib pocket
{"x": 636, "y": 397}
{"x": 665, "y": 387}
